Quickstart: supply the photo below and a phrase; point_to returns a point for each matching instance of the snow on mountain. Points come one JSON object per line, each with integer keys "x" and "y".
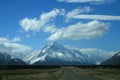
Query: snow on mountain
{"x": 6, "y": 59}
{"x": 94, "y": 55}
{"x": 117, "y": 54}
{"x": 97, "y": 55}
{"x": 13, "y": 53}
{"x": 58, "y": 54}
{"x": 53, "y": 53}
{"x": 114, "y": 60}
{"x": 15, "y": 50}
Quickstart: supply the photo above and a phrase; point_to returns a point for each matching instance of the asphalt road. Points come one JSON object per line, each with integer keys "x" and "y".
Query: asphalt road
{"x": 69, "y": 75}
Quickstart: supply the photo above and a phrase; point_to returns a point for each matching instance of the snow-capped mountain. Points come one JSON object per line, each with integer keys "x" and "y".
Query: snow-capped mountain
{"x": 6, "y": 59}
{"x": 15, "y": 50}
{"x": 56, "y": 54}
{"x": 13, "y": 53}
{"x": 114, "y": 60}
{"x": 97, "y": 55}
{"x": 53, "y": 54}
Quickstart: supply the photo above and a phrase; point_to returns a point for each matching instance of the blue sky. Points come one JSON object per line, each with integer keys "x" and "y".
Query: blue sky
{"x": 82, "y": 24}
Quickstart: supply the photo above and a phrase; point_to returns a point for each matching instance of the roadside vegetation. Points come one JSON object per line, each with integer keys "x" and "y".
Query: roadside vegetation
{"x": 104, "y": 73}
{"x": 31, "y": 74}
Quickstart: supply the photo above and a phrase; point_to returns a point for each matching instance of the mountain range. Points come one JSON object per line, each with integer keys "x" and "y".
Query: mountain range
{"x": 6, "y": 59}
{"x": 56, "y": 54}
{"x": 114, "y": 60}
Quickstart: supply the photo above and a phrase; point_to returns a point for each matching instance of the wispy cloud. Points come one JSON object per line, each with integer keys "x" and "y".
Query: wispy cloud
{"x": 95, "y": 17}
{"x": 76, "y": 31}
{"x": 77, "y": 11}
{"x": 2, "y": 39}
{"x": 79, "y": 30}
{"x": 50, "y": 28}
{"x": 15, "y": 39}
{"x": 87, "y": 1}
{"x": 35, "y": 24}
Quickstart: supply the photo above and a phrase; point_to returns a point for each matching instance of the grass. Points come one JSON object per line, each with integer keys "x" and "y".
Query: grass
{"x": 31, "y": 74}
{"x": 96, "y": 73}
{"x": 101, "y": 73}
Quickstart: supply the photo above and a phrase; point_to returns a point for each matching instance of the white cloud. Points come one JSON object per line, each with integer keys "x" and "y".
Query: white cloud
{"x": 79, "y": 30}
{"x": 87, "y": 1}
{"x": 55, "y": 12}
{"x": 14, "y": 49}
{"x": 96, "y": 17}
{"x": 3, "y": 39}
{"x": 28, "y": 24}
{"x": 15, "y": 39}
{"x": 35, "y": 24}
{"x": 77, "y": 11}
{"x": 50, "y": 28}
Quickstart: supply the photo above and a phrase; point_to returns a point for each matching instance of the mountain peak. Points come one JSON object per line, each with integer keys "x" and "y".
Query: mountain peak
{"x": 51, "y": 46}
{"x": 52, "y": 43}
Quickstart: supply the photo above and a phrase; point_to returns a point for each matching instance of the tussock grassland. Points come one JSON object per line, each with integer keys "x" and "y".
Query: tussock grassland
{"x": 102, "y": 73}
{"x": 31, "y": 74}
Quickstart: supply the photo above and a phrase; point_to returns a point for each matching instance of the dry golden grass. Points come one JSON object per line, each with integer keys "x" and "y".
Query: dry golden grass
{"x": 31, "y": 74}
{"x": 102, "y": 73}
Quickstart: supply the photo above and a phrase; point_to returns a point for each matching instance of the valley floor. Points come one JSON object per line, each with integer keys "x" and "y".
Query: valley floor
{"x": 61, "y": 73}
{"x": 108, "y": 73}
{"x": 31, "y": 74}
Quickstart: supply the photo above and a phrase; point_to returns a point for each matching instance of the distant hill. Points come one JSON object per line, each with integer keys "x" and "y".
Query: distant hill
{"x": 114, "y": 60}
{"x": 6, "y": 59}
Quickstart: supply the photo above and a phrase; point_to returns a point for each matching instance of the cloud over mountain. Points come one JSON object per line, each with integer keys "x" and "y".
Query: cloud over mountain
{"x": 95, "y": 27}
{"x": 12, "y": 48}
{"x": 79, "y": 30}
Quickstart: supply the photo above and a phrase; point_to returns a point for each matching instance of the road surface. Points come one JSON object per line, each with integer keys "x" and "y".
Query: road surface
{"x": 69, "y": 75}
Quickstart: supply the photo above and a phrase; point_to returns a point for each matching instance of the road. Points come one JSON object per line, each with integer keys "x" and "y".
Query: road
{"x": 69, "y": 75}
